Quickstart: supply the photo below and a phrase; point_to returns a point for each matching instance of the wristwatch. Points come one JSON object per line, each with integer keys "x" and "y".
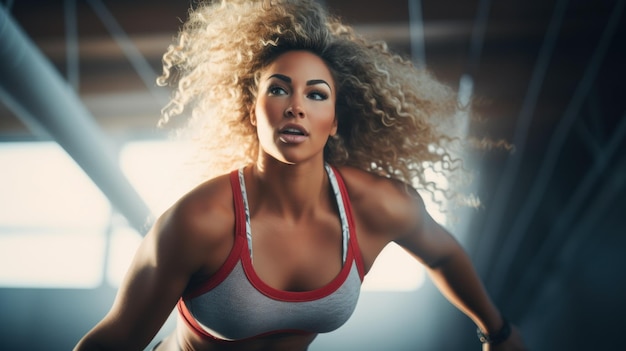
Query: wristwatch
{"x": 496, "y": 338}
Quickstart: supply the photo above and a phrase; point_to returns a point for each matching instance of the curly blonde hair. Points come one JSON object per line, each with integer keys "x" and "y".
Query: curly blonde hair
{"x": 389, "y": 112}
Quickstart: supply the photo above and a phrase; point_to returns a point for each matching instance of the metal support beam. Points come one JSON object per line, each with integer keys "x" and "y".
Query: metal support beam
{"x": 134, "y": 56}
{"x": 478, "y": 36}
{"x": 561, "y": 232}
{"x": 71, "y": 42}
{"x": 38, "y": 95}
{"x": 518, "y": 230}
{"x": 486, "y": 242}
{"x": 416, "y": 25}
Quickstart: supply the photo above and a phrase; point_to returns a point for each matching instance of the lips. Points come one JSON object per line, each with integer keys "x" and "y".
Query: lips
{"x": 293, "y": 129}
{"x": 293, "y": 134}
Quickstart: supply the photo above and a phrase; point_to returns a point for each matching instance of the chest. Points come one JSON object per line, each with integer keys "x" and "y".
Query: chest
{"x": 299, "y": 256}
{"x": 241, "y": 306}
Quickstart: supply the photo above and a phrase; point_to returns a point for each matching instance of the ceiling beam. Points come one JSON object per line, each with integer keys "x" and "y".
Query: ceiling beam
{"x": 39, "y": 96}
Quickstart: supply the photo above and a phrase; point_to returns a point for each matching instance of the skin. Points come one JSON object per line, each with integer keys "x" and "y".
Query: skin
{"x": 297, "y": 234}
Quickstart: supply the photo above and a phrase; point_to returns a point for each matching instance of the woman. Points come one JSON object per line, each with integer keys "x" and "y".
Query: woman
{"x": 316, "y": 142}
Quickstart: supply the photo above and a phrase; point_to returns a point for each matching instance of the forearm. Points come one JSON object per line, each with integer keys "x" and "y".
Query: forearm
{"x": 96, "y": 342}
{"x": 102, "y": 340}
{"x": 458, "y": 281}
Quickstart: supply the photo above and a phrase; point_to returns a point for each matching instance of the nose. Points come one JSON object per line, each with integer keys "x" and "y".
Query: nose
{"x": 294, "y": 110}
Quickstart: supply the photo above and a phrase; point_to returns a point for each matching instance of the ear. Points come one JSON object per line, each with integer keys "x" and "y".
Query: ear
{"x": 333, "y": 130}
{"x": 252, "y": 116}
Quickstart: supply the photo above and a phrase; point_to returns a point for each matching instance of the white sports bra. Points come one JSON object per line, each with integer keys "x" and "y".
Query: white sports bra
{"x": 235, "y": 304}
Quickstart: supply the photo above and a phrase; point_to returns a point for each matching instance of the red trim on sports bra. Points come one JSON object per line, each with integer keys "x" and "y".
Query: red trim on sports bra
{"x": 191, "y": 321}
{"x": 356, "y": 250}
{"x": 240, "y": 225}
{"x": 240, "y": 250}
{"x": 199, "y": 330}
{"x": 295, "y": 296}
{"x": 316, "y": 294}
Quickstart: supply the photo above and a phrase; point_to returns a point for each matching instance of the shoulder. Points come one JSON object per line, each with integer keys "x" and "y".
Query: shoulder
{"x": 199, "y": 225}
{"x": 206, "y": 205}
{"x": 382, "y": 204}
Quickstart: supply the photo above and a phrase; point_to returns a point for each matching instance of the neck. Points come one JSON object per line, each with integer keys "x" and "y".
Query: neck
{"x": 290, "y": 191}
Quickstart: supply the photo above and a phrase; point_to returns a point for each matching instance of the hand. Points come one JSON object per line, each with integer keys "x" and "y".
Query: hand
{"x": 513, "y": 343}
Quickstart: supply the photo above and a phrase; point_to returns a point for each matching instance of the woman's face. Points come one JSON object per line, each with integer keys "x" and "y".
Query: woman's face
{"x": 295, "y": 107}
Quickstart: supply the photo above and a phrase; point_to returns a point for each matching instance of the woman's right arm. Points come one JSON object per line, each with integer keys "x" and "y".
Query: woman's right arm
{"x": 186, "y": 240}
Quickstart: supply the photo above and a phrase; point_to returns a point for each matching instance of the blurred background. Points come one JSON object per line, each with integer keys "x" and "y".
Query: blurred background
{"x": 84, "y": 168}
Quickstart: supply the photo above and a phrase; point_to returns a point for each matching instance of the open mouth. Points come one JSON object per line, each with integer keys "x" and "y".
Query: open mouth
{"x": 292, "y": 131}
{"x": 293, "y": 134}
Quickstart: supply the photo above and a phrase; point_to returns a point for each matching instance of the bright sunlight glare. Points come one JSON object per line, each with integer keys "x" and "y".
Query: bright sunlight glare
{"x": 54, "y": 220}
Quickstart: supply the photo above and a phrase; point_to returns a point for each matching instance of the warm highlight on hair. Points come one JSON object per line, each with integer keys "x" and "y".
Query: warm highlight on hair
{"x": 390, "y": 114}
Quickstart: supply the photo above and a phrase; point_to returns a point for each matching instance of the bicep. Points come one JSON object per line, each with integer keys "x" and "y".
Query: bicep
{"x": 422, "y": 236}
{"x": 151, "y": 287}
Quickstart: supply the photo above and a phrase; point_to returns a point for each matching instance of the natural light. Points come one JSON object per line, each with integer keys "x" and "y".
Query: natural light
{"x": 55, "y": 223}
{"x": 52, "y": 219}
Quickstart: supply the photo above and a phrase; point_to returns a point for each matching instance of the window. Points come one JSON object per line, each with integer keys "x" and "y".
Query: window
{"x": 52, "y": 219}
{"x": 58, "y": 230}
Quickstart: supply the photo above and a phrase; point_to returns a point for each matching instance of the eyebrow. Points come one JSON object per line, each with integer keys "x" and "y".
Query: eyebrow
{"x": 286, "y": 79}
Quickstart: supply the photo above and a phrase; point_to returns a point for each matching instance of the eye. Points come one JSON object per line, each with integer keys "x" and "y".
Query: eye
{"x": 276, "y": 90}
{"x": 318, "y": 95}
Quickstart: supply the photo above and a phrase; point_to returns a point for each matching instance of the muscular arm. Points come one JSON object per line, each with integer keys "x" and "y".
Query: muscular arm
{"x": 171, "y": 253}
{"x": 454, "y": 275}
{"x": 388, "y": 210}
{"x": 449, "y": 267}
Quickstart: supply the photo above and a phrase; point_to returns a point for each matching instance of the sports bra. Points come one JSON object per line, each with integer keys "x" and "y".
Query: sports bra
{"x": 235, "y": 304}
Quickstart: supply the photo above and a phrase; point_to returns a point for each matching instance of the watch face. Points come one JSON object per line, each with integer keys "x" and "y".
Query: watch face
{"x": 481, "y": 336}
{"x": 496, "y": 338}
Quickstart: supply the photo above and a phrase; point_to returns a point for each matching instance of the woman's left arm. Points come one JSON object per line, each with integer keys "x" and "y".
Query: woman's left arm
{"x": 452, "y": 271}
